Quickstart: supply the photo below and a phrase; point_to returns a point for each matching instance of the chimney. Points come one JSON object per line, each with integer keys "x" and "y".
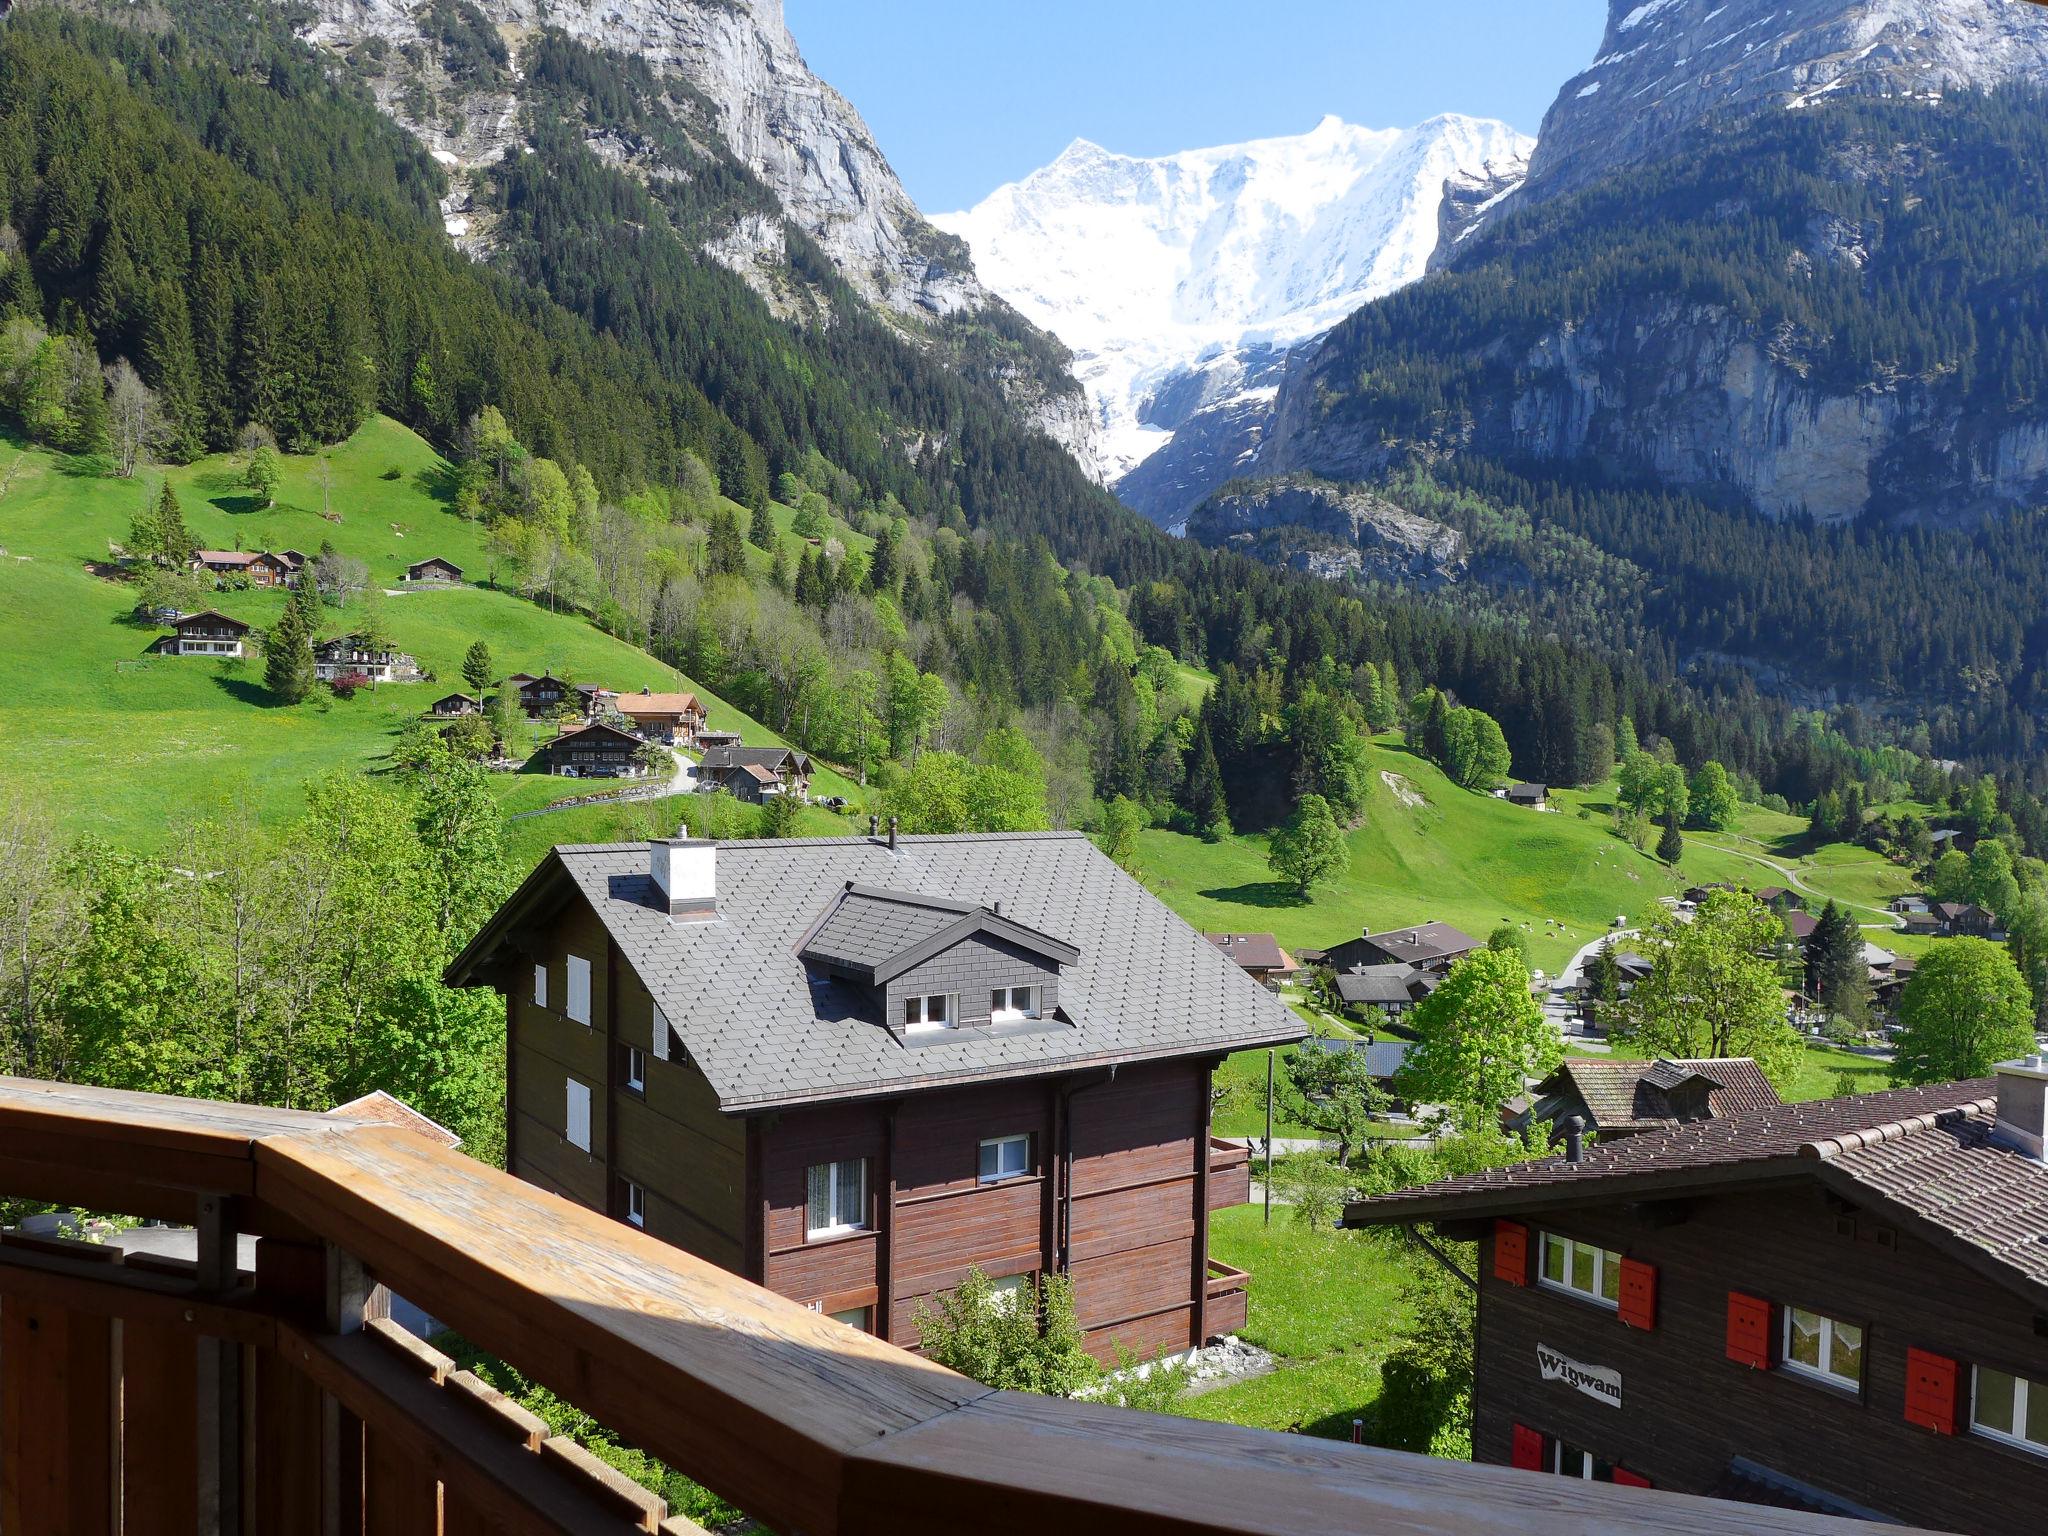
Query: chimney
{"x": 892, "y": 834}
{"x": 685, "y": 874}
{"x": 2023, "y": 1107}
{"x": 1574, "y": 1139}
{"x": 874, "y": 825}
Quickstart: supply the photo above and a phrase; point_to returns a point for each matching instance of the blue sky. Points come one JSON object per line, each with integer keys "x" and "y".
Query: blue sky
{"x": 965, "y": 95}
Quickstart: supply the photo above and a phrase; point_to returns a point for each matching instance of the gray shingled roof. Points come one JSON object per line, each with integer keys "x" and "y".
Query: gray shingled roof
{"x": 767, "y": 1030}
{"x": 872, "y": 934}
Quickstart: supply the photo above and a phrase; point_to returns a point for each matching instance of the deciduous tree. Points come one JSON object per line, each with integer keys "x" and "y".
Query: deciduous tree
{"x": 1478, "y": 1037}
{"x": 1965, "y": 1009}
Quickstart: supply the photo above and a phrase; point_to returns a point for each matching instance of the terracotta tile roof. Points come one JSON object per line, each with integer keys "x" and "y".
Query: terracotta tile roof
{"x": 1632, "y": 1095}
{"x": 634, "y": 705}
{"x": 382, "y": 1108}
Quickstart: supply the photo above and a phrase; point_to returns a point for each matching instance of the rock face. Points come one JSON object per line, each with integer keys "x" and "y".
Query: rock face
{"x": 1180, "y": 282}
{"x": 1334, "y": 531}
{"x": 801, "y": 138}
{"x": 1665, "y": 64}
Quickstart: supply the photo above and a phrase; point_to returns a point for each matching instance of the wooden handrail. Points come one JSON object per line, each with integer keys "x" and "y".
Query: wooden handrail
{"x": 808, "y": 1426}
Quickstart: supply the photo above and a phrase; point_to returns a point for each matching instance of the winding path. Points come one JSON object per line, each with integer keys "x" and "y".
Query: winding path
{"x": 1892, "y": 920}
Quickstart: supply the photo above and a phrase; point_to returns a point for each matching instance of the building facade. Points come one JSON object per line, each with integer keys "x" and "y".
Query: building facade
{"x": 205, "y": 634}
{"x": 854, "y": 1092}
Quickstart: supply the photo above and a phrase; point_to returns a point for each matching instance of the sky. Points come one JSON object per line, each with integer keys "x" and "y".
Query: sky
{"x": 964, "y": 95}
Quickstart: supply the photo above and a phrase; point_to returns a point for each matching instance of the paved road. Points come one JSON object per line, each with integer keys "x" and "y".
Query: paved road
{"x": 1791, "y": 877}
{"x": 682, "y": 782}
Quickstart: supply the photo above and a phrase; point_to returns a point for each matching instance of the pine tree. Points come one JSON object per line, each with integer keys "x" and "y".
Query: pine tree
{"x": 778, "y": 568}
{"x": 1834, "y": 956}
{"x": 476, "y": 667}
{"x": 724, "y": 554}
{"x": 288, "y": 654}
{"x": 174, "y": 542}
{"x": 1205, "y": 800}
{"x": 761, "y": 529}
{"x": 1670, "y": 844}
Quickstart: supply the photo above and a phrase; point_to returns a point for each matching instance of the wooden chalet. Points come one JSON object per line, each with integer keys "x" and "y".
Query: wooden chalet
{"x": 353, "y": 656}
{"x": 258, "y": 568}
{"x": 434, "y": 571}
{"x": 675, "y": 718}
{"x": 1613, "y": 1098}
{"x": 1967, "y": 919}
{"x": 593, "y": 752}
{"x": 547, "y": 695}
{"x": 1258, "y": 955}
{"x": 708, "y": 739}
{"x": 1833, "y": 1306}
{"x": 754, "y": 774}
{"x": 204, "y": 634}
{"x": 1429, "y": 946}
{"x": 1387, "y": 992}
{"x": 454, "y": 706}
{"x": 1535, "y": 796}
{"x": 258, "y": 1382}
{"x": 850, "y": 1068}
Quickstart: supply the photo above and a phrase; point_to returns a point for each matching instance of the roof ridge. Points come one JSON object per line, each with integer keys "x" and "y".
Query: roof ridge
{"x": 1826, "y": 1147}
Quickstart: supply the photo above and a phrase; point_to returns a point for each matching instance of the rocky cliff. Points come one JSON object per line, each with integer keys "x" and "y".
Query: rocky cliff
{"x": 1334, "y": 531}
{"x": 741, "y": 82}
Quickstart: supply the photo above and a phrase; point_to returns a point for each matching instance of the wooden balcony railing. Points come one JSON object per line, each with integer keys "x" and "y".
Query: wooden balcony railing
{"x": 1230, "y": 1173}
{"x": 144, "y": 1395}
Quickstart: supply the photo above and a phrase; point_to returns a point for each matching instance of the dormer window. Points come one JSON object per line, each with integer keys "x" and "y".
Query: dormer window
{"x": 930, "y": 1010}
{"x": 1013, "y": 1003}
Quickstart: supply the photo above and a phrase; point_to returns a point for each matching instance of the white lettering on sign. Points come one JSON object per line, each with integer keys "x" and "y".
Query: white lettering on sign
{"x": 1593, "y": 1380}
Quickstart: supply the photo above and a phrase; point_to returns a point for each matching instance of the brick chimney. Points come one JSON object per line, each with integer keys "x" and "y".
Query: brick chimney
{"x": 685, "y": 874}
{"x": 2023, "y": 1106}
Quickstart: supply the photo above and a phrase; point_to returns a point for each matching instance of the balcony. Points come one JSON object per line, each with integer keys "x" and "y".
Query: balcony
{"x": 257, "y": 1388}
{"x": 1229, "y": 1296}
{"x": 1230, "y": 1173}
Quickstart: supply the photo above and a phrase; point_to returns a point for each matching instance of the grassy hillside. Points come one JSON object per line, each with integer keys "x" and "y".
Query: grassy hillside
{"x": 124, "y": 744}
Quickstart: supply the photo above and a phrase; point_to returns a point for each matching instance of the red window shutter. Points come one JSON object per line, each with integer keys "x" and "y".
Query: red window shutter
{"x": 1511, "y": 1252}
{"x": 1932, "y": 1391}
{"x": 1629, "y": 1479}
{"x": 1638, "y": 1294}
{"x": 1749, "y": 1330}
{"x": 1528, "y": 1449}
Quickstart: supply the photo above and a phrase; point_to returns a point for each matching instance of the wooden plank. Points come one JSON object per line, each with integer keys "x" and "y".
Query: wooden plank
{"x": 57, "y": 1419}
{"x": 400, "y": 1495}
{"x": 1015, "y": 1465}
{"x": 159, "y": 1442}
{"x": 290, "y": 1422}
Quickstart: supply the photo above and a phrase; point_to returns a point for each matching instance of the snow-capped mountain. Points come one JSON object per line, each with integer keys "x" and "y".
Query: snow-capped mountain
{"x": 1179, "y": 282}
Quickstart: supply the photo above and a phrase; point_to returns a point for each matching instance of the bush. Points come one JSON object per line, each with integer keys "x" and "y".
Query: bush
{"x": 1026, "y": 1341}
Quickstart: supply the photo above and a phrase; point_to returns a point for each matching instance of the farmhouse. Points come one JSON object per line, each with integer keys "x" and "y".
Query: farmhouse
{"x": 1622, "y": 1098}
{"x": 1778, "y": 898}
{"x": 1966, "y": 918}
{"x": 434, "y": 571}
{"x": 356, "y": 656}
{"x": 256, "y": 567}
{"x": 1800, "y": 925}
{"x": 547, "y": 695}
{"x": 1387, "y": 990}
{"x": 204, "y": 634}
{"x": 1834, "y": 1306}
{"x": 1535, "y": 796}
{"x": 670, "y": 717}
{"x": 593, "y": 752}
{"x": 708, "y": 739}
{"x": 755, "y": 773}
{"x": 850, "y": 1068}
{"x": 1383, "y": 1058}
{"x": 454, "y": 706}
{"x": 1258, "y": 955}
{"x": 1426, "y": 946}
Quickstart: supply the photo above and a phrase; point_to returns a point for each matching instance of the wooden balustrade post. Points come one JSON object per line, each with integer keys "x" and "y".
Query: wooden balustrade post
{"x": 349, "y": 1298}
{"x": 57, "y": 1419}
{"x": 218, "y": 1412}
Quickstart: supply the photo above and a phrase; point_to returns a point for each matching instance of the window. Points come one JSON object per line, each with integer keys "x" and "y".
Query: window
{"x": 636, "y": 1069}
{"x": 1013, "y": 1003}
{"x": 636, "y": 1204}
{"x": 1007, "y": 1157}
{"x": 838, "y": 1198}
{"x": 1570, "y": 1461}
{"x": 540, "y": 986}
{"x": 853, "y": 1317}
{"x": 931, "y": 1011}
{"x": 1822, "y": 1348}
{"x": 1010, "y": 1292}
{"x": 1582, "y": 1269}
{"x": 576, "y": 1125}
{"x": 578, "y": 1006}
{"x": 2009, "y": 1408}
{"x": 660, "y": 1034}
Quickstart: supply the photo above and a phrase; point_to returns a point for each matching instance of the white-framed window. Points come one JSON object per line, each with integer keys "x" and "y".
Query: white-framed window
{"x": 1013, "y": 1003}
{"x": 577, "y": 1005}
{"x": 853, "y": 1317}
{"x": 1010, "y": 1292}
{"x": 636, "y": 1069}
{"x": 1823, "y": 1348}
{"x": 1005, "y": 1157}
{"x": 930, "y": 1010}
{"x": 2009, "y": 1408}
{"x": 660, "y": 1034}
{"x": 576, "y": 1121}
{"x": 636, "y": 1204}
{"x": 540, "y": 986}
{"x": 1570, "y": 1461}
{"x": 1582, "y": 1269}
{"x": 837, "y": 1198}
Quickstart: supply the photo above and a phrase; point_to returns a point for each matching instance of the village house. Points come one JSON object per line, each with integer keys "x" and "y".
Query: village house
{"x": 1622, "y": 1098}
{"x": 1383, "y": 1058}
{"x": 434, "y": 571}
{"x": 546, "y": 695}
{"x": 1835, "y": 1306}
{"x": 755, "y": 773}
{"x": 1945, "y": 838}
{"x": 707, "y": 739}
{"x": 1778, "y": 898}
{"x": 593, "y": 752}
{"x": 675, "y": 718}
{"x": 1426, "y": 946}
{"x": 851, "y": 1068}
{"x": 1799, "y": 926}
{"x": 354, "y": 656}
{"x": 1535, "y": 796}
{"x": 204, "y": 634}
{"x": 256, "y": 567}
{"x": 454, "y": 706}
{"x": 1385, "y": 991}
{"x": 1258, "y": 955}
{"x": 1967, "y": 919}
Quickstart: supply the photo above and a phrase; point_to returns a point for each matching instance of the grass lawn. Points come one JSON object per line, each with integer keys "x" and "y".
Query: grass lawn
{"x": 1328, "y": 1303}
{"x": 125, "y": 745}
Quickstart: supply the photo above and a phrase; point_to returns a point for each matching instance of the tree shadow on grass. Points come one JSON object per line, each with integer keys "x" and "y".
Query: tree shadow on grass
{"x": 85, "y": 466}
{"x": 248, "y": 691}
{"x": 239, "y": 505}
{"x": 438, "y": 480}
{"x": 1263, "y": 893}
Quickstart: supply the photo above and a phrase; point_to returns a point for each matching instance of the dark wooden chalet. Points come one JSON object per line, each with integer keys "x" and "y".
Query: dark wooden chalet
{"x": 1621, "y": 1098}
{"x": 755, "y": 773}
{"x": 852, "y": 1068}
{"x": 593, "y": 752}
{"x": 708, "y": 739}
{"x": 204, "y": 634}
{"x": 1840, "y": 1306}
{"x": 1534, "y": 796}
{"x": 454, "y": 706}
{"x": 547, "y": 695}
{"x": 1426, "y": 946}
{"x": 1387, "y": 991}
{"x": 257, "y": 567}
{"x": 434, "y": 571}
{"x": 355, "y": 656}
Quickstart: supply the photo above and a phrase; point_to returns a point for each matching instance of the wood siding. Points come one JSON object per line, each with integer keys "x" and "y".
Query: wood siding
{"x": 1687, "y": 1409}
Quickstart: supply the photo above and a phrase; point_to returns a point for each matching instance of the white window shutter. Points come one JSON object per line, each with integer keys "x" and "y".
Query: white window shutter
{"x": 540, "y": 986}
{"x": 578, "y": 1118}
{"x": 578, "y": 1005}
{"x": 660, "y": 1034}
